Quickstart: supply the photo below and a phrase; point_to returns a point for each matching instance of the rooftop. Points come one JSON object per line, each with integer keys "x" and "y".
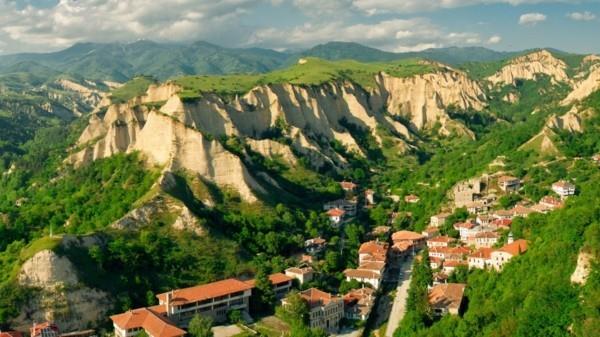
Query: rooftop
{"x": 482, "y": 253}
{"x": 516, "y": 248}
{"x": 144, "y": 318}
{"x": 447, "y": 295}
{"x": 315, "y": 297}
{"x": 277, "y": 278}
{"x": 361, "y": 273}
{"x": 563, "y": 184}
{"x": 407, "y": 235}
{"x": 296, "y": 270}
{"x": 336, "y": 212}
{"x": 206, "y": 291}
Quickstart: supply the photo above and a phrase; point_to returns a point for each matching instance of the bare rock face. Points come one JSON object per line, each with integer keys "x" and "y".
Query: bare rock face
{"x": 46, "y": 269}
{"x": 571, "y": 121}
{"x": 58, "y": 295}
{"x": 583, "y": 269}
{"x": 584, "y": 88}
{"x": 528, "y": 67}
{"x": 180, "y": 134}
{"x": 187, "y": 221}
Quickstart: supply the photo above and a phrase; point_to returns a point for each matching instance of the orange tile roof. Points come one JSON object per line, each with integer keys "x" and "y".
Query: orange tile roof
{"x": 336, "y": 212}
{"x": 482, "y": 253}
{"x": 361, "y": 273}
{"x": 153, "y": 323}
{"x": 467, "y": 225}
{"x": 502, "y": 222}
{"x": 37, "y": 328}
{"x": 563, "y": 184}
{"x": 487, "y": 235}
{"x": 296, "y": 270}
{"x": 453, "y": 263}
{"x": 315, "y": 297}
{"x": 516, "y": 248}
{"x": 348, "y": 185}
{"x": 448, "y": 295}
{"x": 206, "y": 291}
{"x": 373, "y": 247}
{"x": 402, "y": 246}
{"x": 372, "y": 265}
{"x": 407, "y": 235}
{"x": 356, "y": 295}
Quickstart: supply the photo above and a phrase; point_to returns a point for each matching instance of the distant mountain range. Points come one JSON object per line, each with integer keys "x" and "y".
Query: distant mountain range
{"x": 121, "y": 62}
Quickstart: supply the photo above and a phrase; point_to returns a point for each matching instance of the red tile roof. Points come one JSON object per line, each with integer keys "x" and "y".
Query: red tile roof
{"x": 482, "y": 253}
{"x": 487, "y": 235}
{"x": 206, "y": 291}
{"x": 442, "y": 239}
{"x": 407, "y": 236}
{"x": 348, "y": 185}
{"x": 144, "y": 318}
{"x": 361, "y": 273}
{"x": 502, "y": 223}
{"x": 373, "y": 247}
{"x": 315, "y": 297}
{"x": 277, "y": 278}
{"x": 516, "y": 248}
{"x": 37, "y": 328}
{"x": 448, "y": 295}
{"x": 467, "y": 225}
{"x": 336, "y": 212}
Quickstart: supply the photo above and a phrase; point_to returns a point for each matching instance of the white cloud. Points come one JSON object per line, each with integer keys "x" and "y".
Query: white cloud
{"x": 531, "y": 19}
{"x": 494, "y": 39}
{"x": 71, "y": 21}
{"x": 582, "y": 16}
{"x": 397, "y": 35}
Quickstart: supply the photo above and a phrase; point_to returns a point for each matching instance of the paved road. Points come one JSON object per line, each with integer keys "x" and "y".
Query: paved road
{"x": 399, "y": 306}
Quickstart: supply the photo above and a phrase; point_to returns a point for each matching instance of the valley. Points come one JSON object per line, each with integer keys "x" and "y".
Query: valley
{"x": 126, "y": 196}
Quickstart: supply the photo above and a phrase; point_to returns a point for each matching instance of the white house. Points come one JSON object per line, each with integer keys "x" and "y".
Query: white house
{"x": 563, "y": 188}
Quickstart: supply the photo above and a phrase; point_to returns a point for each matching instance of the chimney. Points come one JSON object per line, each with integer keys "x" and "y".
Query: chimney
{"x": 168, "y": 302}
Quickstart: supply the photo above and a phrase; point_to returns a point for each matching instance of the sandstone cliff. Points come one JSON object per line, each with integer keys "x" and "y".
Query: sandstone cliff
{"x": 180, "y": 135}
{"x": 529, "y": 67}
{"x": 58, "y": 295}
{"x": 583, "y": 269}
{"x": 585, "y": 87}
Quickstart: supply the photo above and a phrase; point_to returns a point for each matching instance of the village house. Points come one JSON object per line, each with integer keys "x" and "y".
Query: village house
{"x": 522, "y": 211}
{"x": 369, "y": 197}
{"x": 551, "y": 202}
{"x": 449, "y": 253}
{"x": 446, "y": 298}
{"x": 46, "y": 329}
{"x": 412, "y": 199}
{"x": 466, "y": 230}
{"x": 315, "y": 245}
{"x": 438, "y": 219}
{"x": 154, "y": 323}
{"x": 501, "y": 256}
{"x": 413, "y": 238}
{"x": 501, "y": 224}
{"x": 563, "y": 188}
{"x": 486, "y": 239}
{"x": 348, "y": 186}
{"x": 440, "y": 278}
{"x": 325, "y": 310}
{"x": 358, "y": 303}
{"x": 370, "y": 273}
{"x": 481, "y": 258}
{"x": 348, "y": 206}
{"x": 503, "y": 214}
{"x": 440, "y": 241}
{"x": 430, "y": 232}
{"x": 373, "y": 251}
{"x": 402, "y": 250}
{"x": 484, "y": 219}
{"x": 435, "y": 262}
{"x": 466, "y": 192}
{"x": 302, "y": 274}
{"x": 509, "y": 183}
{"x": 336, "y": 216}
{"x": 449, "y": 266}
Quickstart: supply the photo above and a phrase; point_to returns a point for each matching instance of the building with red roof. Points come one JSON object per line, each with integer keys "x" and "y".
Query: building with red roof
{"x": 325, "y": 310}
{"x": 358, "y": 303}
{"x": 153, "y": 323}
{"x": 481, "y": 258}
{"x": 446, "y": 298}
{"x": 46, "y": 329}
{"x": 501, "y": 256}
{"x": 10, "y": 334}
{"x": 413, "y": 238}
{"x": 440, "y": 241}
{"x": 373, "y": 251}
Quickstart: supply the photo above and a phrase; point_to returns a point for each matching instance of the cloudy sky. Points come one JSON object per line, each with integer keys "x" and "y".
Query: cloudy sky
{"x": 393, "y": 25}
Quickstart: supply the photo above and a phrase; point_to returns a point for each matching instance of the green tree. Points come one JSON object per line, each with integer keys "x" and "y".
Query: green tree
{"x": 265, "y": 295}
{"x": 200, "y": 326}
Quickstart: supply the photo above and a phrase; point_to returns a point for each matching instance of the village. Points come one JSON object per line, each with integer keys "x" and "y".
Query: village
{"x": 383, "y": 264}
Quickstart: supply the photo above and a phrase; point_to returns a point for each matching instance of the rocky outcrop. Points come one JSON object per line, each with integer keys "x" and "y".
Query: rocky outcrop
{"x": 584, "y": 88}
{"x": 529, "y": 67}
{"x": 180, "y": 135}
{"x": 583, "y": 269}
{"x": 571, "y": 121}
{"x": 58, "y": 295}
{"x": 187, "y": 221}
{"x": 90, "y": 95}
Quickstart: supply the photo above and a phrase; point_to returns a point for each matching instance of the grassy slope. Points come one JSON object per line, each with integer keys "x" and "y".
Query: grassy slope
{"x": 135, "y": 87}
{"x": 314, "y": 72}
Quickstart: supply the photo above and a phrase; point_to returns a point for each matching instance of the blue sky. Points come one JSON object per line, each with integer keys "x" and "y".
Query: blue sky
{"x": 393, "y": 25}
